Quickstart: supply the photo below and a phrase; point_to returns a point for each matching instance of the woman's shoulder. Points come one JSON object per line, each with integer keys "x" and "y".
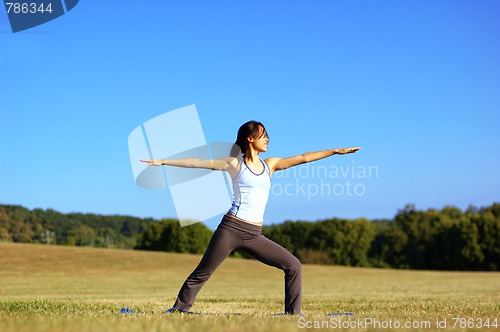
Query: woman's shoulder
{"x": 271, "y": 163}
{"x": 271, "y": 160}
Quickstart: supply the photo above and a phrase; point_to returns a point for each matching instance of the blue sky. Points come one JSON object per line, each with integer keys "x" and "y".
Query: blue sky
{"x": 414, "y": 83}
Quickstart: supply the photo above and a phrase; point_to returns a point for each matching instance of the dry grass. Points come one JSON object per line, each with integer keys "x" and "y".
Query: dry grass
{"x": 55, "y": 288}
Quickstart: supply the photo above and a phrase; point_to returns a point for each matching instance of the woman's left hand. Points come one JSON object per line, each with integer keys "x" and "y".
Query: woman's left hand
{"x": 348, "y": 150}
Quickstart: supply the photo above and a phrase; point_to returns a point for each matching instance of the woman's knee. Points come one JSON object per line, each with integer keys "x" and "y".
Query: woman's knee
{"x": 294, "y": 266}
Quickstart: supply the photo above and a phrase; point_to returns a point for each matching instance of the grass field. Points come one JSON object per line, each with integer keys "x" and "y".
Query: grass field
{"x": 56, "y": 288}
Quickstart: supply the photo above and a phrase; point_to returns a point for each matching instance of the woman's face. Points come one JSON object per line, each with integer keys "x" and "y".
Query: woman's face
{"x": 261, "y": 142}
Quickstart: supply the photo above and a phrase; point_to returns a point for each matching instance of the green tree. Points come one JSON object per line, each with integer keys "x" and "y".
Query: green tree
{"x": 22, "y": 232}
{"x": 168, "y": 235}
{"x": 422, "y": 229}
{"x": 347, "y": 242}
{"x": 293, "y": 235}
{"x": 5, "y": 235}
{"x": 388, "y": 247}
{"x": 83, "y": 235}
{"x": 462, "y": 250}
{"x": 488, "y": 228}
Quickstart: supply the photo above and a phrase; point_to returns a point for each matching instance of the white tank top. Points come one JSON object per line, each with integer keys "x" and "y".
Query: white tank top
{"x": 250, "y": 193}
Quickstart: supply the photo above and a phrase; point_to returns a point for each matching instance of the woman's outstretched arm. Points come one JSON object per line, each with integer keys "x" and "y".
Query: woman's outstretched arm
{"x": 276, "y": 164}
{"x": 214, "y": 164}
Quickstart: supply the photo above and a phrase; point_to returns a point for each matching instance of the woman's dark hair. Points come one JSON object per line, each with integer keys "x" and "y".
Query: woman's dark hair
{"x": 253, "y": 129}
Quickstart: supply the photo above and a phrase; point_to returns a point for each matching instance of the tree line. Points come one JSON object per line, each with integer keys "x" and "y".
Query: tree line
{"x": 446, "y": 239}
{"x": 19, "y": 224}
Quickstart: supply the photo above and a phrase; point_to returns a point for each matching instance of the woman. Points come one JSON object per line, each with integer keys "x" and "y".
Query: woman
{"x": 241, "y": 227}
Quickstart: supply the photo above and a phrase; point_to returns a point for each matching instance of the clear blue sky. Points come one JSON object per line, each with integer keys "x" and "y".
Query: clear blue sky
{"x": 416, "y": 84}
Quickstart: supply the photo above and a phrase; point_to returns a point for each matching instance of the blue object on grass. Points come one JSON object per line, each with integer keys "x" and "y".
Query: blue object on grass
{"x": 341, "y": 314}
{"x": 125, "y": 311}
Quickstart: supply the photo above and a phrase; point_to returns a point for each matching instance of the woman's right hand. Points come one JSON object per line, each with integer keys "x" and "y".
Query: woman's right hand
{"x": 152, "y": 162}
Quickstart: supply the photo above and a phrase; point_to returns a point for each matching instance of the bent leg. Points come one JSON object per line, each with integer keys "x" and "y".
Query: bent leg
{"x": 220, "y": 246}
{"x": 271, "y": 253}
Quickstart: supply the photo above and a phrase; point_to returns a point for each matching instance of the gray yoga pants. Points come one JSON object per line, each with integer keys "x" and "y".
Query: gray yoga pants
{"x": 233, "y": 234}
